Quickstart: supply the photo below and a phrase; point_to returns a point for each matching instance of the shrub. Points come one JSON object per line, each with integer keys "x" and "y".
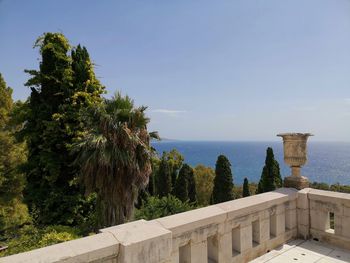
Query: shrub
{"x": 156, "y": 207}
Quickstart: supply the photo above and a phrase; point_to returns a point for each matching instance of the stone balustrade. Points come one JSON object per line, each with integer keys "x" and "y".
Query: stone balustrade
{"x": 234, "y": 231}
{"x": 325, "y": 216}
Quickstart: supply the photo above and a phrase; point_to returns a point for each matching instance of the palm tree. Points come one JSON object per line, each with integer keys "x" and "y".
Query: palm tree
{"x": 115, "y": 157}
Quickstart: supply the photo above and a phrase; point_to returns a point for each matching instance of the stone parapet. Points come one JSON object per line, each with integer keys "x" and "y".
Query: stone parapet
{"x": 234, "y": 231}
{"x": 330, "y": 217}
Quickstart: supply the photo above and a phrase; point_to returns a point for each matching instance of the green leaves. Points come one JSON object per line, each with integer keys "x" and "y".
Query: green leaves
{"x": 63, "y": 86}
{"x": 223, "y": 182}
{"x": 6, "y": 102}
{"x": 12, "y": 156}
{"x": 271, "y": 176}
{"x": 30, "y": 237}
{"x": 115, "y": 156}
{"x": 156, "y": 207}
{"x": 204, "y": 178}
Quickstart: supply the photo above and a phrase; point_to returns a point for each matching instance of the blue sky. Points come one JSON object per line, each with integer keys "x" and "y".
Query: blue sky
{"x": 208, "y": 70}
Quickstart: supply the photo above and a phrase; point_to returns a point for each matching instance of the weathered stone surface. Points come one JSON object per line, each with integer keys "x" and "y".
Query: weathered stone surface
{"x": 291, "y": 219}
{"x": 297, "y": 182}
{"x": 142, "y": 241}
{"x": 188, "y": 221}
{"x": 295, "y": 148}
{"x": 252, "y": 204}
{"x": 101, "y": 247}
{"x": 302, "y": 198}
{"x": 199, "y": 252}
{"x": 295, "y": 155}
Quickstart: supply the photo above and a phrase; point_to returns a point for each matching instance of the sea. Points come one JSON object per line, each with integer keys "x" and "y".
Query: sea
{"x": 328, "y": 162}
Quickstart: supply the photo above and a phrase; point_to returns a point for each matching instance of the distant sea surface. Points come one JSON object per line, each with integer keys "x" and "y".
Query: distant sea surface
{"x": 328, "y": 162}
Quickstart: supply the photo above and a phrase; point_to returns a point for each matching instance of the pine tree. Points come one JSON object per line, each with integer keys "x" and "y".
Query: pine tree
{"x": 163, "y": 179}
{"x": 271, "y": 176}
{"x": 223, "y": 181}
{"x": 246, "y": 191}
{"x": 61, "y": 87}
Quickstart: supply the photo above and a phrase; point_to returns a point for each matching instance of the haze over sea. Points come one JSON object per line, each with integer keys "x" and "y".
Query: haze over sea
{"x": 327, "y": 161}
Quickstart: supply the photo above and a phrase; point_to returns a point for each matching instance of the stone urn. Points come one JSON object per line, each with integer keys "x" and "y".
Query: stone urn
{"x": 295, "y": 155}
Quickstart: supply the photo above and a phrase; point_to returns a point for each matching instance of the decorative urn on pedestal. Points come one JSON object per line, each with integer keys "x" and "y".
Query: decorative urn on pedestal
{"x": 295, "y": 155}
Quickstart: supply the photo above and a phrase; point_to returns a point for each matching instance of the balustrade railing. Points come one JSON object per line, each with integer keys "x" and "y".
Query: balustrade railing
{"x": 234, "y": 231}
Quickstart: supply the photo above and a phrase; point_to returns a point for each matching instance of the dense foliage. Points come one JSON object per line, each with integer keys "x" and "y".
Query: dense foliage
{"x": 156, "y": 207}
{"x": 30, "y": 237}
{"x": 223, "y": 181}
{"x": 271, "y": 175}
{"x": 115, "y": 157}
{"x": 175, "y": 160}
{"x": 204, "y": 179}
{"x": 181, "y": 184}
{"x": 60, "y": 122}
{"x": 163, "y": 177}
{"x": 12, "y": 155}
{"x": 185, "y": 186}
{"x": 61, "y": 87}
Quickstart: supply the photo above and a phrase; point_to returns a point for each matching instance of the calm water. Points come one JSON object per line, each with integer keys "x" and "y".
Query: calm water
{"x": 328, "y": 162}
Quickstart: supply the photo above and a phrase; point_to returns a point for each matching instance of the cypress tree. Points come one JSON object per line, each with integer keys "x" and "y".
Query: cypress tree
{"x": 185, "y": 186}
{"x": 192, "y": 193}
{"x": 223, "y": 181}
{"x": 181, "y": 184}
{"x": 163, "y": 177}
{"x": 271, "y": 176}
{"x": 175, "y": 160}
{"x": 61, "y": 87}
{"x": 246, "y": 191}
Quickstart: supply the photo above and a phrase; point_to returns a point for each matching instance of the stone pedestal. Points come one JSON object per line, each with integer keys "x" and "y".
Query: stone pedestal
{"x": 297, "y": 182}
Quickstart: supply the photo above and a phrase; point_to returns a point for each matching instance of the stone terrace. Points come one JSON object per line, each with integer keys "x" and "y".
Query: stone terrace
{"x": 301, "y": 251}
{"x": 236, "y": 231}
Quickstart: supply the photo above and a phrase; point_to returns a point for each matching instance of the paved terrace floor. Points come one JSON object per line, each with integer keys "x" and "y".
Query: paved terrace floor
{"x": 305, "y": 251}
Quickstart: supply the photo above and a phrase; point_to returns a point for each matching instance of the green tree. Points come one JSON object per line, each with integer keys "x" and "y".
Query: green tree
{"x": 181, "y": 185}
{"x": 246, "y": 191}
{"x": 151, "y": 188}
{"x": 60, "y": 89}
{"x": 204, "y": 178}
{"x": 192, "y": 192}
{"x": 271, "y": 176}
{"x": 163, "y": 177}
{"x": 223, "y": 181}
{"x": 13, "y": 212}
{"x": 157, "y": 207}
{"x": 6, "y": 103}
{"x": 185, "y": 186}
{"x": 175, "y": 160}
{"x": 115, "y": 157}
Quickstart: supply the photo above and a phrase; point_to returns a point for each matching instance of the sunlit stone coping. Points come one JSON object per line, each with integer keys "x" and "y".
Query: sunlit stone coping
{"x": 234, "y": 231}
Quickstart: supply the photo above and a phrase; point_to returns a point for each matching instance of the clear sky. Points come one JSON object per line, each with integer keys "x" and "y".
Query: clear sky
{"x": 208, "y": 70}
